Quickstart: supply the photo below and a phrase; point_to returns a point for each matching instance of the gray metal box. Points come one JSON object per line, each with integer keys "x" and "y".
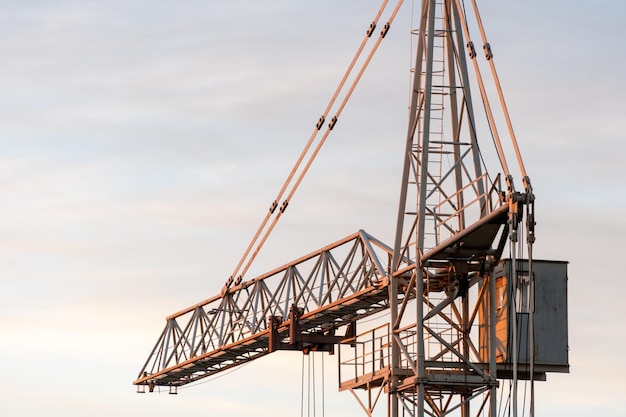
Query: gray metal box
{"x": 549, "y": 316}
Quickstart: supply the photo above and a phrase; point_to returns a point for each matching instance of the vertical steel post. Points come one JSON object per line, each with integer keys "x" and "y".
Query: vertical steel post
{"x": 513, "y": 316}
{"x": 493, "y": 400}
{"x": 454, "y": 110}
{"x": 421, "y": 222}
{"x": 393, "y": 395}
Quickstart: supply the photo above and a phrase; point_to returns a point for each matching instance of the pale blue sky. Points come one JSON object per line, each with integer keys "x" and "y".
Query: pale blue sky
{"x": 141, "y": 143}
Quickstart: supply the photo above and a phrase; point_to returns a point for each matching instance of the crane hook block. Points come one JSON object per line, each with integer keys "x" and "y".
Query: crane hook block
{"x": 471, "y": 50}
{"x": 487, "y": 49}
{"x": 371, "y": 29}
{"x": 320, "y": 122}
{"x": 332, "y": 123}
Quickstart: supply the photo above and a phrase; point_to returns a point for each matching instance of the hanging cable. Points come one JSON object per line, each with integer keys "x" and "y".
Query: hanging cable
{"x": 323, "y": 391}
{"x": 309, "y": 385}
{"x": 524, "y": 398}
{"x": 308, "y": 391}
{"x": 513, "y": 315}
{"x": 312, "y": 382}
{"x": 530, "y": 240}
{"x": 302, "y": 390}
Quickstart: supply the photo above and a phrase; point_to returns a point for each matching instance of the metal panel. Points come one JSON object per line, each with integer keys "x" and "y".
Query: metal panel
{"x": 551, "y": 350}
{"x": 550, "y": 315}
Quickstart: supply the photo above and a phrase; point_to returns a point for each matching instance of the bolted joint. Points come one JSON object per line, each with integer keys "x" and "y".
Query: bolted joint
{"x": 274, "y": 337}
{"x": 529, "y": 189}
{"x": 320, "y": 122}
{"x": 509, "y": 184}
{"x": 226, "y": 286}
{"x": 283, "y": 206}
{"x": 371, "y": 29}
{"x": 386, "y": 28}
{"x": 470, "y": 49}
{"x": 487, "y": 49}
{"x": 273, "y": 206}
{"x": 296, "y": 311}
{"x": 332, "y": 123}
{"x": 530, "y": 228}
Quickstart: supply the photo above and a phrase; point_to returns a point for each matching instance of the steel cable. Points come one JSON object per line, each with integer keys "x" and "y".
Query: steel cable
{"x": 308, "y": 144}
{"x": 309, "y": 162}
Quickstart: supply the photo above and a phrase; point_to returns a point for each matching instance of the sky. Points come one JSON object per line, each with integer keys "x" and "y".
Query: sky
{"x": 141, "y": 143}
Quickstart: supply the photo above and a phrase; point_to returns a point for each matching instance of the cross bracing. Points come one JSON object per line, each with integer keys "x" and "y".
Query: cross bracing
{"x": 331, "y": 287}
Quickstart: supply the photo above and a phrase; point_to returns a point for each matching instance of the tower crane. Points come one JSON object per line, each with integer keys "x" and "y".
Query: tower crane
{"x": 463, "y": 314}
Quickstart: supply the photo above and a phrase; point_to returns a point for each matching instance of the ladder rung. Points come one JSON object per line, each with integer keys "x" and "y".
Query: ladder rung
{"x": 449, "y": 143}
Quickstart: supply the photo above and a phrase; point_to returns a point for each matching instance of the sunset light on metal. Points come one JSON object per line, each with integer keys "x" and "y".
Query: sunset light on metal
{"x": 456, "y": 312}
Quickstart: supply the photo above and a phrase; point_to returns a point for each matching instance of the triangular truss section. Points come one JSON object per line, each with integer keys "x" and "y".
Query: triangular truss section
{"x": 297, "y": 306}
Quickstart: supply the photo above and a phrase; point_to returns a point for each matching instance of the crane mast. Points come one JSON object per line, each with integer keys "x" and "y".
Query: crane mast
{"x": 449, "y": 234}
{"x": 456, "y": 315}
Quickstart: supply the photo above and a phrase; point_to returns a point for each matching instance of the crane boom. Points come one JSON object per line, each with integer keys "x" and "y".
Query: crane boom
{"x": 325, "y": 290}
